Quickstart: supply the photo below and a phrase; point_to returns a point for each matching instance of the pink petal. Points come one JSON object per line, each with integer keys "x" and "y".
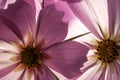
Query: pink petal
{"x": 46, "y": 74}
{"x": 38, "y": 7}
{"x": 50, "y": 26}
{"x": 31, "y": 3}
{"x": 72, "y": 1}
{"x": 88, "y": 64}
{"x": 22, "y": 75}
{"x": 112, "y": 72}
{"x": 62, "y": 6}
{"x": 117, "y": 66}
{"x": 21, "y": 14}
{"x": 7, "y": 70}
{"x": 13, "y": 75}
{"x": 102, "y": 77}
{"x": 27, "y": 75}
{"x": 67, "y": 58}
{"x": 9, "y": 31}
{"x": 8, "y": 2}
{"x": 114, "y": 15}
{"x": 47, "y": 2}
{"x": 115, "y": 74}
{"x": 99, "y": 74}
{"x": 89, "y": 12}
{"x": 2, "y": 3}
{"x": 91, "y": 73}
{"x": 108, "y": 75}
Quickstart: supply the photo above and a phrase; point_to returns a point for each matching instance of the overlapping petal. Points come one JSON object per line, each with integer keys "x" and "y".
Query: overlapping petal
{"x": 92, "y": 14}
{"x": 49, "y": 26}
{"x": 45, "y": 74}
{"x": 67, "y": 57}
{"x": 90, "y": 75}
{"x": 32, "y": 4}
{"x": 62, "y": 6}
{"x": 9, "y": 30}
{"x": 20, "y": 18}
{"x": 7, "y": 70}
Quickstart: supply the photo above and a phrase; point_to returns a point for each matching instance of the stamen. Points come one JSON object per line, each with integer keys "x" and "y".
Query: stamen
{"x": 30, "y": 57}
{"x": 107, "y": 51}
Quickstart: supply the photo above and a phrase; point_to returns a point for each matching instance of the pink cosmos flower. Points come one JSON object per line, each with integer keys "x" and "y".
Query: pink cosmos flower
{"x": 29, "y": 50}
{"x": 102, "y": 18}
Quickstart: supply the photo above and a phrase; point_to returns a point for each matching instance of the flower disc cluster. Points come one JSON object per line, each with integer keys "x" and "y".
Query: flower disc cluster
{"x": 30, "y": 57}
{"x": 107, "y": 51}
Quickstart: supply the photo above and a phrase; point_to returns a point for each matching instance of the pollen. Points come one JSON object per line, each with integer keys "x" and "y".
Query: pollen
{"x": 30, "y": 57}
{"x": 107, "y": 51}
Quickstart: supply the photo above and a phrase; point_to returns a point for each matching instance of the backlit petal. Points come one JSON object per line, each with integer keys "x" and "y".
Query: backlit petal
{"x": 67, "y": 57}
{"x": 50, "y": 26}
{"x": 46, "y": 74}
{"x": 21, "y": 14}
{"x": 93, "y": 15}
{"x": 7, "y": 70}
{"x": 114, "y": 15}
{"x": 2, "y": 3}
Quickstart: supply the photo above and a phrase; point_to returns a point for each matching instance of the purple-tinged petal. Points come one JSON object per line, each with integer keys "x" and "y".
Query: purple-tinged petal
{"x": 62, "y": 6}
{"x": 114, "y": 15}
{"x": 22, "y": 75}
{"x": 36, "y": 76}
{"x": 91, "y": 73}
{"x": 115, "y": 74}
{"x": 7, "y": 70}
{"x": 27, "y": 75}
{"x": 46, "y": 74}
{"x": 50, "y": 26}
{"x": 108, "y": 75}
{"x": 102, "y": 77}
{"x": 117, "y": 66}
{"x": 47, "y": 2}
{"x": 89, "y": 12}
{"x": 32, "y": 3}
{"x": 38, "y": 7}
{"x": 87, "y": 65}
{"x": 21, "y": 14}
{"x": 2, "y": 3}
{"x": 9, "y": 31}
{"x": 67, "y": 58}
{"x": 72, "y": 1}
{"x": 13, "y": 75}
{"x": 8, "y": 2}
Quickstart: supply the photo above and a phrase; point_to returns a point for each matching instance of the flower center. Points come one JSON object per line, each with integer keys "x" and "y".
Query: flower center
{"x": 30, "y": 57}
{"x": 107, "y": 51}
